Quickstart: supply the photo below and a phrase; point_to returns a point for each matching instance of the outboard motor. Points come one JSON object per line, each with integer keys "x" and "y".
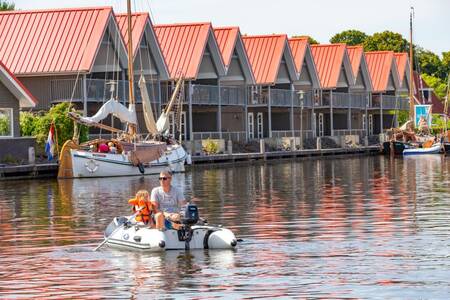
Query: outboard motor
{"x": 190, "y": 218}
{"x": 190, "y": 215}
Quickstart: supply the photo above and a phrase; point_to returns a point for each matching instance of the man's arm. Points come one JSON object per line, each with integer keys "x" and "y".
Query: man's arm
{"x": 154, "y": 201}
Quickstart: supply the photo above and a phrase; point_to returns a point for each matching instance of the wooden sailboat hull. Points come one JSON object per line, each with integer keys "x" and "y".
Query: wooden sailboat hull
{"x": 86, "y": 164}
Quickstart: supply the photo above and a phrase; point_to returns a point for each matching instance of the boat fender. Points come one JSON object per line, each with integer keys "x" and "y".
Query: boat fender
{"x": 91, "y": 166}
{"x": 137, "y": 239}
{"x": 206, "y": 238}
{"x": 233, "y": 243}
{"x": 162, "y": 244}
{"x": 141, "y": 168}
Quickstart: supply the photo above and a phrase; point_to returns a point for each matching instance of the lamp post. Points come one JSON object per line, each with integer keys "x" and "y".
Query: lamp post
{"x": 301, "y": 94}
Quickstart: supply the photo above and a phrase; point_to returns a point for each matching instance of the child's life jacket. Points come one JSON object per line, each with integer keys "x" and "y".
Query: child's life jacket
{"x": 144, "y": 215}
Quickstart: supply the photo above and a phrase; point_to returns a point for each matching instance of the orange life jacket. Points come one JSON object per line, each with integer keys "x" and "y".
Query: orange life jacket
{"x": 145, "y": 214}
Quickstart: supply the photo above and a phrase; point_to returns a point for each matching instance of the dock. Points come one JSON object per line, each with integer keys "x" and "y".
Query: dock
{"x": 32, "y": 171}
{"x": 50, "y": 170}
{"x": 235, "y": 157}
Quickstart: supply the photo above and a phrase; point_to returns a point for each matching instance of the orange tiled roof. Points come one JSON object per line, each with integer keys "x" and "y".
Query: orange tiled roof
{"x": 401, "y": 59}
{"x": 26, "y": 99}
{"x": 226, "y": 39}
{"x": 138, "y": 22}
{"x": 183, "y": 46}
{"x": 379, "y": 64}
{"x": 329, "y": 60}
{"x": 298, "y": 48}
{"x": 265, "y": 53}
{"x": 355, "y": 53}
{"x": 52, "y": 41}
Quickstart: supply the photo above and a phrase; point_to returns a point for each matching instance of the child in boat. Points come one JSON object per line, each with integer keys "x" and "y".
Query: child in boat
{"x": 141, "y": 204}
{"x": 112, "y": 148}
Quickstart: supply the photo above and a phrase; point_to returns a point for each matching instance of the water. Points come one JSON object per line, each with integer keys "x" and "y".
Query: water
{"x": 347, "y": 228}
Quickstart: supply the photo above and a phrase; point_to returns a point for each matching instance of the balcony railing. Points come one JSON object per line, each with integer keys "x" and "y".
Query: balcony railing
{"x": 358, "y": 101}
{"x": 232, "y": 95}
{"x": 98, "y": 90}
{"x": 205, "y": 94}
{"x": 280, "y": 97}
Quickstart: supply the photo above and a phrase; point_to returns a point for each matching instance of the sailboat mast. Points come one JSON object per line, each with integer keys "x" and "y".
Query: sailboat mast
{"x": 411, "y": 63}
{"x": 131, "y": 127}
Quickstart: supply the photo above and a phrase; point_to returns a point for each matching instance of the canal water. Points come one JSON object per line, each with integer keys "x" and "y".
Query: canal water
{"x": 366, "y": 227}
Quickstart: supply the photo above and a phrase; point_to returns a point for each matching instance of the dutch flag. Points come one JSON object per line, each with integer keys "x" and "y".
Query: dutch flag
{"x": 50, "y": 144}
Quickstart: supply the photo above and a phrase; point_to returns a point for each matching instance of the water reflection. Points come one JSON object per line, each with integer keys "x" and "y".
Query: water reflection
{"x": 326, "y": 228}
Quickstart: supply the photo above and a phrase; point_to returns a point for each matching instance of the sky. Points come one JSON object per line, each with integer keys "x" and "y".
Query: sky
{"x": 320, "y": 19}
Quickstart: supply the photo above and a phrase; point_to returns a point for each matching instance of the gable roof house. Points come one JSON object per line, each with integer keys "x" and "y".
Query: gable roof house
{"x": 336, "y": 81}
{"x": 385, "y": 84}
{"x": 13, "y": 96}
{"x": 234, "y": 85}
{"x": 190, "y": 51}
{"x": 271, "y": 99}
{"x": 402, "y": 61}
{"x": 48, "y": 50}
{"x": 147, "y": 60}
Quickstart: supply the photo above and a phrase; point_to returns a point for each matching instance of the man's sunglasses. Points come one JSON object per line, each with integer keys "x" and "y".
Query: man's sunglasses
{"x": 164, "y": 178}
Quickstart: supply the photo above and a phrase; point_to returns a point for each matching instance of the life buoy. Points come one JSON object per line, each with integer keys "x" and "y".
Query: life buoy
{"x": 91, "y": 166}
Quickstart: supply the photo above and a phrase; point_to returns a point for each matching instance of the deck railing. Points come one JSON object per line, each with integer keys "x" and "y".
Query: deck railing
{"x": 98, "y": 90}
{"x": 341, "y": 132}
{"x": 227, "y": 135}
{"x": 231, "y": 95}
{"x": 279, "y": 97}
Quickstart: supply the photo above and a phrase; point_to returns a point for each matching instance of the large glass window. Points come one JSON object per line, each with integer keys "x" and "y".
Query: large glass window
{"x": 6, "y": 118}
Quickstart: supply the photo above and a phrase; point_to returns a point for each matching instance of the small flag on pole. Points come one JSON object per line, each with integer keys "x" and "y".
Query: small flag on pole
{"x": 50, "y": 144}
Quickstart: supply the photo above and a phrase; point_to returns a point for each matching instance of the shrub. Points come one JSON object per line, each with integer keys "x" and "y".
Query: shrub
{"x": 38, "y": 125}
{"x": 211, "y": 147}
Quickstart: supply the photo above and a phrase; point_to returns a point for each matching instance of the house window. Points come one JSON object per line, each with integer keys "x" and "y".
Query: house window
{"x": 6, "y": 122}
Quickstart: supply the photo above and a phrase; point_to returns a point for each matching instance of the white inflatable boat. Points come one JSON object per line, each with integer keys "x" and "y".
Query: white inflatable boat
{"x": 434, "y": 149}
{"x": 122, "y": 233}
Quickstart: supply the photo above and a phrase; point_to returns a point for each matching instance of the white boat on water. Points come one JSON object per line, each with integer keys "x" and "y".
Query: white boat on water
{"x": 121, "y": 233}
{"x": 434, "y": 149}
{"x": 131, "y": 157}
{"x": 93, "y": 164}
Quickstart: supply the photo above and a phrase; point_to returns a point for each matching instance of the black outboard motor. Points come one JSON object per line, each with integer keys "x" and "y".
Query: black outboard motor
{"x": 190, "y": 218}
{"x": 190, "y": 215}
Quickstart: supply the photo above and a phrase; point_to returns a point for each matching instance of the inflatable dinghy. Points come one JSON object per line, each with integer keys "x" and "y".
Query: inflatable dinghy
{"x": 122, "y": 233}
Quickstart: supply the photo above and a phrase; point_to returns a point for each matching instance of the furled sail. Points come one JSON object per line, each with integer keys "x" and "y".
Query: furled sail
{"x": 118, "y": 110}
{"x": 147, "y": 107}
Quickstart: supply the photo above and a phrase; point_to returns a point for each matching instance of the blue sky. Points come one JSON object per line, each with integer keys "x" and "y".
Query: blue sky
{"x": 319, "y": 18}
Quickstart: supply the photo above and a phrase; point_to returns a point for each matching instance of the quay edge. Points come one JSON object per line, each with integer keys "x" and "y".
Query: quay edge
{"x": 50, "y": 170}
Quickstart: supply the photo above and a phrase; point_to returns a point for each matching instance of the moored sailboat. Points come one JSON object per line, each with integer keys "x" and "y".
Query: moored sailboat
{"x": 403, "y": 140}
{"x": 131, "y": 154}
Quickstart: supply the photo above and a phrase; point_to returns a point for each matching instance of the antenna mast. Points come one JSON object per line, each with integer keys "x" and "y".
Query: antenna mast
{"x": 411, "y": 63}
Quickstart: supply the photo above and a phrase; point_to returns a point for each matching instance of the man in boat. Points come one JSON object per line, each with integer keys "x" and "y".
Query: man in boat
{"x": 167, "y": 202}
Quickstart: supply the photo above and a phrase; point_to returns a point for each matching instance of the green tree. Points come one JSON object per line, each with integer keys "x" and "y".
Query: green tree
{"x": 386, "y": 40}
{"x": 437, "y": 84}
{"x": 5, "y": 5}
{"x": 429, "y": 63}
{"x": 311, "y": 40}
{"x": 351, "y": 37}
{"x": 446, "y": 63}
